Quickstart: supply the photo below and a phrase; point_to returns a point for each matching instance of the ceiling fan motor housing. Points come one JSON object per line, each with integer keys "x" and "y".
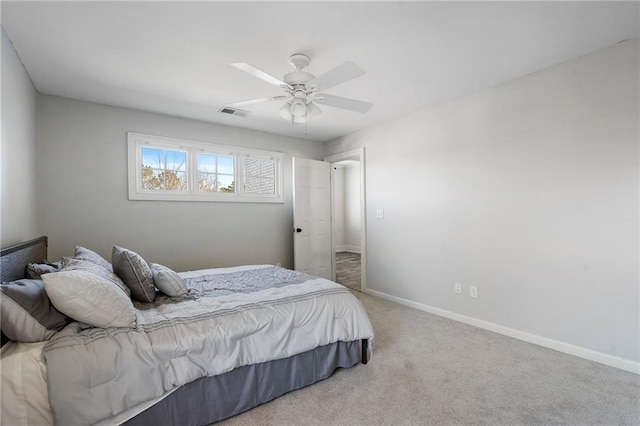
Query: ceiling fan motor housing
{"x": 298, "y": 61}
{"x": 297, "y": 77}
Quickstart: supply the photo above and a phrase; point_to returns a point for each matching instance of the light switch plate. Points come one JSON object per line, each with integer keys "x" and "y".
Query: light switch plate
{"x": 473, "y": 291}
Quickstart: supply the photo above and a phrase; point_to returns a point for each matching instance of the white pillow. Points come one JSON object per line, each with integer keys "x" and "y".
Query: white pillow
{"x": 89, "y": 298}
{"x": 93, "y": 257}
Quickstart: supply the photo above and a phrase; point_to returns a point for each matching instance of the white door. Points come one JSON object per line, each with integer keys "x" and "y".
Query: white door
{"x": 312, "y": 217}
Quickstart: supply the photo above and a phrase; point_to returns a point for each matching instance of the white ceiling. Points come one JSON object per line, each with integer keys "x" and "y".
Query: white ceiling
{"x": 173, "y": 57}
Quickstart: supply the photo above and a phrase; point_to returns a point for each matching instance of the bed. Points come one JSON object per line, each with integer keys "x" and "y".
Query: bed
{"x": 196, "y": 359}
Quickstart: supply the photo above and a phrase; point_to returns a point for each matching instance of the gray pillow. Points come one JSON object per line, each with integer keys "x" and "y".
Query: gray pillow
{"x": 34, "y": 270}
{"x": 168, "y": 281}
{"x": 89, "y": 298}
{"x": 75, "y": 264}
{"x": 134, "y": 271}
{"x": 26, "y": 313}
{"x": 93, "y": 257}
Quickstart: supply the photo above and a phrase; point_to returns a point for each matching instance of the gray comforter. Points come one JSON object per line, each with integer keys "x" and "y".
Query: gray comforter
{"x": 230, "y": 318}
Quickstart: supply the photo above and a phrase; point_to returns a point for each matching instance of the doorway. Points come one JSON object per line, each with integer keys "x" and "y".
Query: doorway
{"x": 348, "y": 219}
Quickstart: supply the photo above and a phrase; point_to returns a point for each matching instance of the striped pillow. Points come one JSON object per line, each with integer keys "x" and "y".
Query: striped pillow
{"x": 168, "y": 281}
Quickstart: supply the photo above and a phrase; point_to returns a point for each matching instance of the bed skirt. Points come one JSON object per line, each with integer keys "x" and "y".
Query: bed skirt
{"x": 211, "y": 399}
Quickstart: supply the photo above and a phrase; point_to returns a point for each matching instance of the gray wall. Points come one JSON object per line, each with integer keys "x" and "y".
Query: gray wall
{"x": 347, "y": 208}
{"x": 82, "y": 160}
{"x": 352, "y": 208}
{"x": 528, "y": 190}
{"x": 338, "y": 208}
{"x": 18, "y": 151}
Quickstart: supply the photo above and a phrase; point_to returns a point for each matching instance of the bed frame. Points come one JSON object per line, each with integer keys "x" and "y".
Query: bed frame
{"x": 14, "y": 259}
{"x": 216, "y": 398}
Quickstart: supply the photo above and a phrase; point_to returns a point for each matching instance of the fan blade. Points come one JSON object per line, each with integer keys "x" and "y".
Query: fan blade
{"x": 264, "y": 76}
{"x": 344, "y": 103}
{"x": 258, "y": 100}
{"x": 340, "y": 74}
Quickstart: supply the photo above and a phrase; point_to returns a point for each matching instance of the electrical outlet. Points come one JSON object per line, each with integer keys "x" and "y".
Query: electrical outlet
{"x": 457, "y": 287}
{"x": 473, "y": 291}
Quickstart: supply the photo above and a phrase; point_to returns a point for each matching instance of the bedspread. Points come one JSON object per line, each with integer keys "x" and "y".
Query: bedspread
{"x": 230, "y": 318}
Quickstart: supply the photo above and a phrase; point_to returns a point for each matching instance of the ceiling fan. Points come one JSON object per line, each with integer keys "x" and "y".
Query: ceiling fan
{"x": 302, "y": 89}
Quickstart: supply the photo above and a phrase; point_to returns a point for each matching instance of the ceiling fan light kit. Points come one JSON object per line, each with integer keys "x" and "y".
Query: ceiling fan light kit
{"x": 298, "y": 108}
{"x": 302, "y": 89}
{"x": 297, "y": 111}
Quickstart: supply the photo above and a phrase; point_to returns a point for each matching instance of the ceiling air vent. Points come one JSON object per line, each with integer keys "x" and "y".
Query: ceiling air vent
{"x": 234, "y": 111}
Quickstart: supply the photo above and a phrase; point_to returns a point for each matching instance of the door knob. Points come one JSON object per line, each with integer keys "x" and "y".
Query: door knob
{"x": 298, "y": 229}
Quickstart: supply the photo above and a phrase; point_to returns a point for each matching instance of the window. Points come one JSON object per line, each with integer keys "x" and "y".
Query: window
{"x": 216, "y": 173}
{"x": 178, "y": 170}
{"x": 259, "y": 176}
{"x": 163, "y": 169}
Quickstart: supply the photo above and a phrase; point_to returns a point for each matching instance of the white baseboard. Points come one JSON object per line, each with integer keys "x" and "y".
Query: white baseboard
{"x": 591, "y": 355}
{"x": 349, "y": 248}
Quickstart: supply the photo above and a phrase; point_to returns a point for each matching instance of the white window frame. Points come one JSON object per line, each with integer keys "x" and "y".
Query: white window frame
{"x": 136, "y": 141}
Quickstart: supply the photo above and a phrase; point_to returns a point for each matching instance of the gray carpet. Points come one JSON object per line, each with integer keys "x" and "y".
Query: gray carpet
{"x": 428, "y": 370}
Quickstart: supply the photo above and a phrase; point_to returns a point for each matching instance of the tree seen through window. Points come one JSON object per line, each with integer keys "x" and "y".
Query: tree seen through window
{"x": 164, "y": 169}
{"x": 216, "y": 173}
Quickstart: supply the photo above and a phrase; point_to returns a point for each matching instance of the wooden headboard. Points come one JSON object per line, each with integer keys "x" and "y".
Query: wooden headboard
{"x": 14, "y": 259}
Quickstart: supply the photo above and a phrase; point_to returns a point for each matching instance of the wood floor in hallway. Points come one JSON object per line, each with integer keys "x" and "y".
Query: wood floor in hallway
{"x": 348, "y": 269}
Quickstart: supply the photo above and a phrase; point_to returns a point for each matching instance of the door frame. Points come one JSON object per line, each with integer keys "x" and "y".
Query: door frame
{"x": 355, "y": 154}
